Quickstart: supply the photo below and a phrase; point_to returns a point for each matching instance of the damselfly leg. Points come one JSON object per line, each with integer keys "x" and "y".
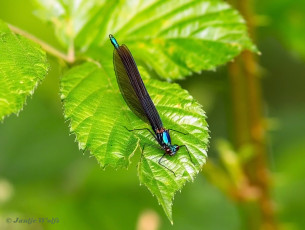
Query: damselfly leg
{"x": 164, "y": 165}
{"x": 131, "y": 130}
{"x": 159, "y": 162}
{"x": 188, "y": 153}
{"x": 178, "y": 131}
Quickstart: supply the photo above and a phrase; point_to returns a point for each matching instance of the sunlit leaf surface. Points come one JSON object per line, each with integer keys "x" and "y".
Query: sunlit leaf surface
{"x": 172, "y": 38}
{"x": 22, "y": 66}
{"x": 98, "y": 116}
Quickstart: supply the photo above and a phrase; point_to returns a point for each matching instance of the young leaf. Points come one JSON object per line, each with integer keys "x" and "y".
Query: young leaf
{"x": 68, "y": 17}
{"x": 189, "y": 35}
{"x": 99, "y": 117}
{"x": 22, "y": 66}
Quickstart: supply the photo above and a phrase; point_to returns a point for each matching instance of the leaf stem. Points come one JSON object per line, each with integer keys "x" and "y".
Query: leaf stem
{"x": 70, "y": 57}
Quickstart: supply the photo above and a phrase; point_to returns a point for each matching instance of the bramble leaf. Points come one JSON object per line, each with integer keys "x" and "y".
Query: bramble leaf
{"x": 22, "y": 66}
{"x": 99, "y": 117}
{"x": 171, "y": 38}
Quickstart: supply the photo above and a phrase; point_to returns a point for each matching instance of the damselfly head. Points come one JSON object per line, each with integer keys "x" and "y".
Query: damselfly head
{"x": 172, "y": 149}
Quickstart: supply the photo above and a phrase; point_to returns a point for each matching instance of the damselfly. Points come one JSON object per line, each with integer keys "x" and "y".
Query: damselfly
{"x": 137, "y": 98}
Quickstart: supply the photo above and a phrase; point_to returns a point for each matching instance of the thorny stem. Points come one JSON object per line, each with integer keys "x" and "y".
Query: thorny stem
{"x": 249, "y": 125}
{"x": 69, "y": 58}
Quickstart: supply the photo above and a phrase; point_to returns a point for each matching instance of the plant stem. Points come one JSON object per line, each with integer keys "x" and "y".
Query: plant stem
{"x": 70, "y": 57}
{"x": 249, "y": 127}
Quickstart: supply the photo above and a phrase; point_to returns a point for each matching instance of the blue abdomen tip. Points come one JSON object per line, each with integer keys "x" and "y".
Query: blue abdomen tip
{"x": 113, "y": 41}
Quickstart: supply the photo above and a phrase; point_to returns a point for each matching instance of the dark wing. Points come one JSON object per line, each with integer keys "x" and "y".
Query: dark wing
{"x": 126, "y": 88}
{"x": 133, "y": 88}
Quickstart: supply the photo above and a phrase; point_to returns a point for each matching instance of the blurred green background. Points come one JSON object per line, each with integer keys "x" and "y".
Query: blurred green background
{"x": 43, "y": 174}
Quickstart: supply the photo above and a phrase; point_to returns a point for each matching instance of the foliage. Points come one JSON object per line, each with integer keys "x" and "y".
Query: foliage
{"x": 170, "y": 40}
{"x": 156, "y": 31}
{"x": 22, "y": 66}
{"x": 99, "y": 118}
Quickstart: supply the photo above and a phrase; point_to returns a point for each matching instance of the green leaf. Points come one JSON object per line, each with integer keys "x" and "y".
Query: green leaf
{"x": 98, "y": 116}
{"x": 172, "y": 38}
{"x": 68, "y": 16}
{"x": 22, "y": 66}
